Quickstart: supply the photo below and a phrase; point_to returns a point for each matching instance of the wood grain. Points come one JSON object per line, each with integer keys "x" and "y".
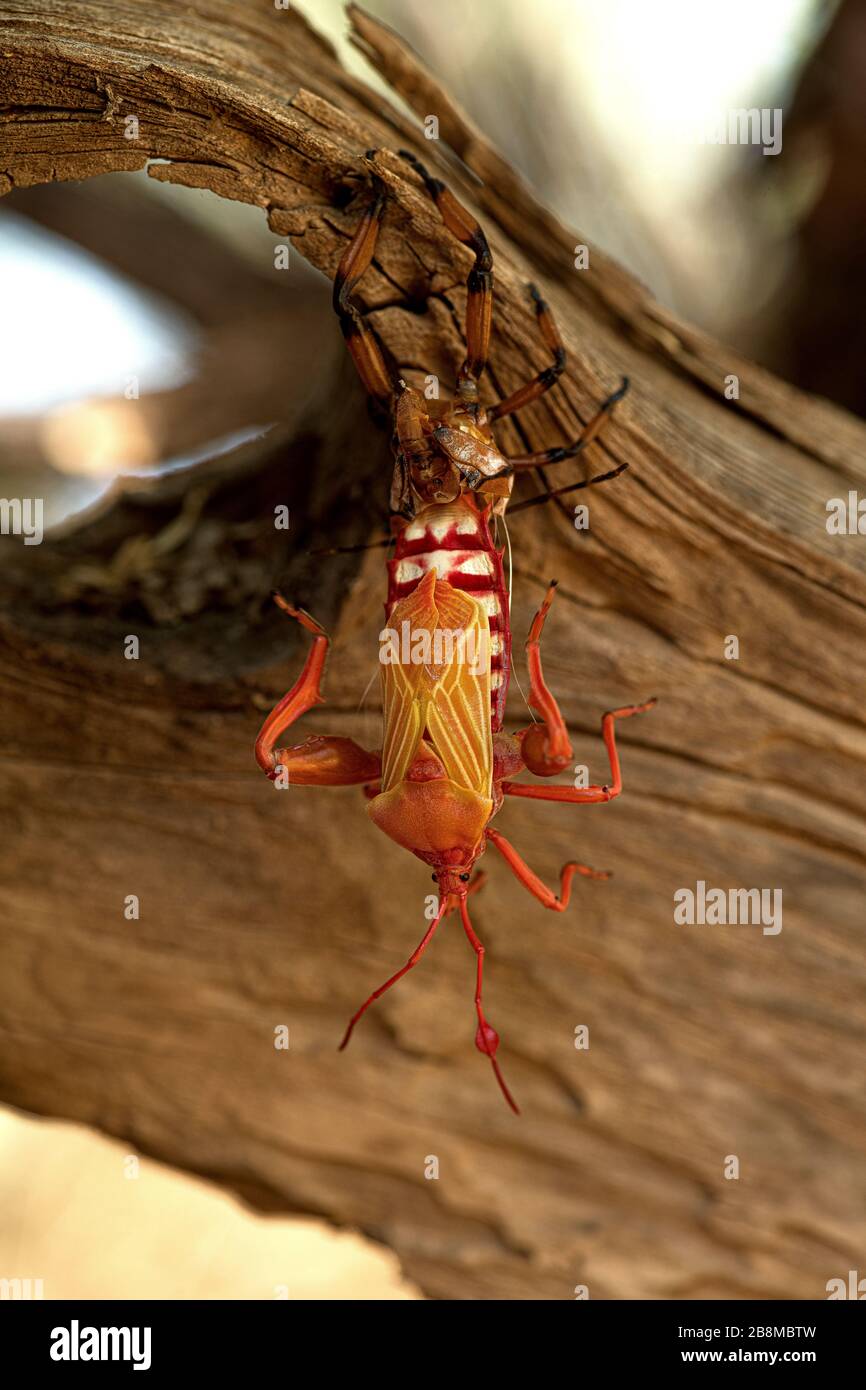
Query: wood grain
{"x": 261, "y": 909}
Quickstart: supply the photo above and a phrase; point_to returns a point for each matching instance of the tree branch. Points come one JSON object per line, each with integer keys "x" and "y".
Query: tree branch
{"x": 259, "y": 909}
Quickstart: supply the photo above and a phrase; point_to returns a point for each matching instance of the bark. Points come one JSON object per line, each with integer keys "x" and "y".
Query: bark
{"x": 260, "y": 909}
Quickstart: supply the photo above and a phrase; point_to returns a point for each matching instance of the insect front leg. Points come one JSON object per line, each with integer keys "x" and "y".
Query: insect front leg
{"x": 530, "y": 880}
{"x": 321, "y": 760}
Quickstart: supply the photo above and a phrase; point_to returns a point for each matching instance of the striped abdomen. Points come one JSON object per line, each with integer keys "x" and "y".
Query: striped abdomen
{"x": 454, "y": 538}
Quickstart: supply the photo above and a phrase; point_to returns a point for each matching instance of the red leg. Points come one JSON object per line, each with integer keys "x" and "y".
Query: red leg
{"x": 531, "y": 881}
{"x": 594, "y": 793}
{"x": 320, "y": 760}
{"x": 486, "y": 1038}
{"x": 413, "y": 960}
{"x": 545, "y": 747}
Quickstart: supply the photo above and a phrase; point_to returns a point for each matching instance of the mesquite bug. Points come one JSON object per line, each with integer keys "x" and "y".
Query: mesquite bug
{"x": 446, "y": 766}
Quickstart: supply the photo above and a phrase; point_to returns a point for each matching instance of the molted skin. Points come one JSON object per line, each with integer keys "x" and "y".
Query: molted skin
{"x": 443, "y": 449}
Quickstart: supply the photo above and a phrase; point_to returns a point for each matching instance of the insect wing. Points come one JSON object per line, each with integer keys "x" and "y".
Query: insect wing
{"x": 441, "y": 684}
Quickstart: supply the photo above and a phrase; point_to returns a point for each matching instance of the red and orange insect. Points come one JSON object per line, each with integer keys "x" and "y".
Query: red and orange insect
{"x": 446, "y": 765}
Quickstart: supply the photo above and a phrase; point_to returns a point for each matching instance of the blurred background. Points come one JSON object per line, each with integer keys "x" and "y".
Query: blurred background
{"x": 127, "y": 364}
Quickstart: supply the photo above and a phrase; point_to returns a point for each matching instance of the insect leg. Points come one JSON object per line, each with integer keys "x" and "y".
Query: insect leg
{"x": 320, "y": 760}
{"x": 530, "y": 880}
{"x": 520, "y": 462}
{"x": 486, "y": 1037}
{"x": 591, "y": 794}
{"x": 360, "y": 338}
{"x": 479, "y": 304}
{"x": 543, "y": 382}
{"x": 413, "y": 960}
{"x": 544, "y": 747}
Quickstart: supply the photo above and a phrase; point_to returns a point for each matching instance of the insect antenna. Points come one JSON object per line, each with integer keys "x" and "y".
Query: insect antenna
{"x": 413, "y": 960}
{"x": 486, "y": 1037}
{"x": 353, "y": 549}
{"x": 569, "y": 487}
{"x": 366, "y": 692}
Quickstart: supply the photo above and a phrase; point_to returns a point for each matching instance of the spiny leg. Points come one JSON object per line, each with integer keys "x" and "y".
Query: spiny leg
{"x": 486, "y": 1038}
{"x": 479, "y": 303}
{"x": 320, "y": 760}
{"x": 543, "y": 382}
{"x": 595, "y": 793}
{"x": 413, "y": 960}
{"x": 360, "y": 338}
{"x": 530, "y": 880}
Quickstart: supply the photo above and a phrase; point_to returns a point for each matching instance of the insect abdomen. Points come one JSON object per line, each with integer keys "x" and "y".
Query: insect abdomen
{"x": 454, "y": 539}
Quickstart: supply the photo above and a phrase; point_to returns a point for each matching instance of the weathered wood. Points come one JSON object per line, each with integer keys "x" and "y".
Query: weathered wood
{"x": 260, "y": 909}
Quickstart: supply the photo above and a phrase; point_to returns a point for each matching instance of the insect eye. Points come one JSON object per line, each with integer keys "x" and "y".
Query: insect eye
{"x": 464, "y": 878}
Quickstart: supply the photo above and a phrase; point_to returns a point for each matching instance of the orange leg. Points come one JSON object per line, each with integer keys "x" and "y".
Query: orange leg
{"x": 545, "y": 747}
{"x": 521, "y": 462}
{"x": 587, "y": 795}
{"x": 322, "y": 760}
{"x": 479, "y": 303}
{"x": 531, "y": 880}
